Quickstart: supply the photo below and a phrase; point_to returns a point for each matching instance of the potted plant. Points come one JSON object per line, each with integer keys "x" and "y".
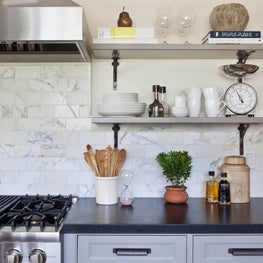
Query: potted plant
{"x": 176, "y": 167}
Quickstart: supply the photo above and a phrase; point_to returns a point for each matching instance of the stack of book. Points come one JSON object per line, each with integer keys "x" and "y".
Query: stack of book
{"x": 125, "y": 35}
{"x": 232, "y": 37}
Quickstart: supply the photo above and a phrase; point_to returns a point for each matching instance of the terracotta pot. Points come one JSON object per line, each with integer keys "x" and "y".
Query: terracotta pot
{"x": 175, "y": 195}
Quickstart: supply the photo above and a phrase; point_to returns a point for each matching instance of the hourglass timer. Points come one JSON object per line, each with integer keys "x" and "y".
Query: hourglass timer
{"x": 126, "y": 197}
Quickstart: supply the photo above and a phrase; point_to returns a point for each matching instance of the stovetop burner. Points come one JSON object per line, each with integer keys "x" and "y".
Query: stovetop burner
{"x": 29, "y": 211}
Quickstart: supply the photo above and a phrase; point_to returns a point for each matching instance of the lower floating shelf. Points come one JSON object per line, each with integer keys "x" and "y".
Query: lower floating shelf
{"x": 243, "y": 123}
{"x": 182, "y": 120}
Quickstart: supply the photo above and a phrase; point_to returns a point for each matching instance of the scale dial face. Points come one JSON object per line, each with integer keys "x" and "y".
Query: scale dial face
{"x": 241, "y": 98}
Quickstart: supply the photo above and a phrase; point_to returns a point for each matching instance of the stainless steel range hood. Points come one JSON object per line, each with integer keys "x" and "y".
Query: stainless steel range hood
{"x": 42, "y": 31}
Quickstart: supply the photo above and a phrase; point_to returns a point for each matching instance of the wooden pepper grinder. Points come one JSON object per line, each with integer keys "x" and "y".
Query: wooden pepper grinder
{"x": 124, "y": 19}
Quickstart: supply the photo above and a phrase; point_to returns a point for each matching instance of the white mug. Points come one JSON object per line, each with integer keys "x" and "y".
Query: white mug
{"x": 194, "y": 106}
{"x": 213, "y": 107}
{"x": 213, "y": 92}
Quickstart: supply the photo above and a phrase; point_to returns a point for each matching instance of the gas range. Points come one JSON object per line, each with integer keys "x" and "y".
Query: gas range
{"x": 30, "y": 228}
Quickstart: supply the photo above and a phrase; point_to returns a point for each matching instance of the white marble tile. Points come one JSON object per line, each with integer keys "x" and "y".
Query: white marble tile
{"x": 78, "y": 124}
{"x": 53, "y": 98}
{"x": 7, "y": 72}
{"x": 66, "y": 111}
{"x": 7, "y": 98}
{"x": 46, "y": 125}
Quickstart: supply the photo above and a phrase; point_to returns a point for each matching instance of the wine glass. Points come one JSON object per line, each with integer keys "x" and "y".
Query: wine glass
{"x": 163, "y": 21}
{"x": 184, "y": 21}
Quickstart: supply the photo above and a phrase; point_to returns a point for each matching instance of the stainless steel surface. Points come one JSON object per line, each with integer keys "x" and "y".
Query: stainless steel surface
{"x": 30, "y": 228}
{"x": 42, "y": 31}
{"x": 51, "y": 250}
{"x": 13, "y": 255}
{"x": 37, "y": 256}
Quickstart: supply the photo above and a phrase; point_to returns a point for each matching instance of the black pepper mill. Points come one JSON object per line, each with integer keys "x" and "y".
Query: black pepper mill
{"x": 224, "y": 190}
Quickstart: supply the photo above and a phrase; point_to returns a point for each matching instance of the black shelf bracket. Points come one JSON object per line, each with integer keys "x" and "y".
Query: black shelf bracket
{"x": 115, "y": 64}
{"x": 116, "y": 129}
{"x": 242, "y": 131}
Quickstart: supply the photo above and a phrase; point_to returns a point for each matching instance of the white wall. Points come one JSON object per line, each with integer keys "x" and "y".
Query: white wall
{"x": 45, "y": 114}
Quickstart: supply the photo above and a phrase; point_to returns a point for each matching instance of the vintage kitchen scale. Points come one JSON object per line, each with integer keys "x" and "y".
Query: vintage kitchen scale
{"x": 240, "y": 97}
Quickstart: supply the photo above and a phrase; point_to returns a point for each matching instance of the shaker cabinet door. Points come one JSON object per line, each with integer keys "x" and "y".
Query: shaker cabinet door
{"x": 228, "y": 249}
{"x": 131, "y": 249}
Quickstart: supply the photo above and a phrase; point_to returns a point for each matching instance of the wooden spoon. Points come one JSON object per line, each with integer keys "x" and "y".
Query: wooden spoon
{"x": 114, "y": 160}
{"x": 93, "y": 159}
{"x": 89, "y": 162}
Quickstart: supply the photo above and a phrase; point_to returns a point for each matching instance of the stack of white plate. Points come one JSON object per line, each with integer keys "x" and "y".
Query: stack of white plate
{"x": 121, "y": 104}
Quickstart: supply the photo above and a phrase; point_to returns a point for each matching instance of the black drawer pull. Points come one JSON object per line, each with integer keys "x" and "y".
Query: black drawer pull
{"x": 246, "y": 251}
{"x": 132, "y": 251}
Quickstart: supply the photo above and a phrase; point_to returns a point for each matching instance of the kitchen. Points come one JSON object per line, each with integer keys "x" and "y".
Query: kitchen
{"x": 46, "y": 114}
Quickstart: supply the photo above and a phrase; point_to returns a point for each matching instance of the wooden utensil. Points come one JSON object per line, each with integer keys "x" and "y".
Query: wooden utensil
{"x": 114, "y": 157}
{"x": 93, "y": 160}
{"x": 88, "y": 160}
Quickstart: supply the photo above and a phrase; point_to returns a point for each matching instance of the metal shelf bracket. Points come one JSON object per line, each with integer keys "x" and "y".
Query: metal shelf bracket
{"x": 115, "y": 64}
{"x": 242, "y": 131}
{"x": 116, "y": 129}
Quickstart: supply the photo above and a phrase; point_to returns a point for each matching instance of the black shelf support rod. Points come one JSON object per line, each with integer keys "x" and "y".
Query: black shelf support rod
{"x": 115, "y": 64}
{"x": 116, "y": 129}
{"x": 242, "y": 131}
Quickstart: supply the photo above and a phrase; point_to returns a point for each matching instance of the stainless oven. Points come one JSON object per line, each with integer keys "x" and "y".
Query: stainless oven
{"x": 30, "y": 228}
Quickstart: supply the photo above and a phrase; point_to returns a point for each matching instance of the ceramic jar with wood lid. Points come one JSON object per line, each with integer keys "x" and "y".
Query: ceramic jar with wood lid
{"x": 238, "y": 175}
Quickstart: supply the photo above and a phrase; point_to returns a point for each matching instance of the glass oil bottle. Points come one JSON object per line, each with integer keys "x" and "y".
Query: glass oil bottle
{"x": 211, "y": 188}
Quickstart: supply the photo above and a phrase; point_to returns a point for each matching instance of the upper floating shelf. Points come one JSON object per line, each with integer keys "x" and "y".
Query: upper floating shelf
{"x": 175, "y": 51}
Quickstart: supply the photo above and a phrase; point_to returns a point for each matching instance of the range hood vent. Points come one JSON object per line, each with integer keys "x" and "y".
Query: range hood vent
{"x": 43, "y": 31}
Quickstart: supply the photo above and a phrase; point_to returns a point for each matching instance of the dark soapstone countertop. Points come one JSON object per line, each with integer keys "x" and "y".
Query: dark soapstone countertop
{"x": 155, "y": 216}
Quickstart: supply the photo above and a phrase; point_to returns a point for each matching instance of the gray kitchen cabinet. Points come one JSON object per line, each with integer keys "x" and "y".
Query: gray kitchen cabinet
{"x": 227, "y": 249}
{"x": 129, "y": 249}
{"x": 188, "y": 248}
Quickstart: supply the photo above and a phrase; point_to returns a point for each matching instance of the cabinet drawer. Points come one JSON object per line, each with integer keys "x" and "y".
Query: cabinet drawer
{"x": 120, "y": 249}
{"x": 228, "y": 249}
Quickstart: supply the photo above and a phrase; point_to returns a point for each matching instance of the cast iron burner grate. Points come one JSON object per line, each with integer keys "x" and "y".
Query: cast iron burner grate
{"x": 36, "y": 210}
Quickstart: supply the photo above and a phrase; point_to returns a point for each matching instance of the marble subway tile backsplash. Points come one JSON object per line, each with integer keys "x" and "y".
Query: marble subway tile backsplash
{"x": 45, "y": 126}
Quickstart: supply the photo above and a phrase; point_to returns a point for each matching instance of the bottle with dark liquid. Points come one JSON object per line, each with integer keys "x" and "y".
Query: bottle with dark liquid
{"x": 156, "y": 108}
{"x": 224, "y": 190}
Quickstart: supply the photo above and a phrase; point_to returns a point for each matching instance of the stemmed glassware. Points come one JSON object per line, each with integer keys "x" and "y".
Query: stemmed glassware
{"x": 163, "y": 21}
{"x": 184, "y": 21}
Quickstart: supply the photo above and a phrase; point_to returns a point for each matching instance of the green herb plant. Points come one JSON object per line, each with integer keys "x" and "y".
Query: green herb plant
{"x": 176, "y": 166}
